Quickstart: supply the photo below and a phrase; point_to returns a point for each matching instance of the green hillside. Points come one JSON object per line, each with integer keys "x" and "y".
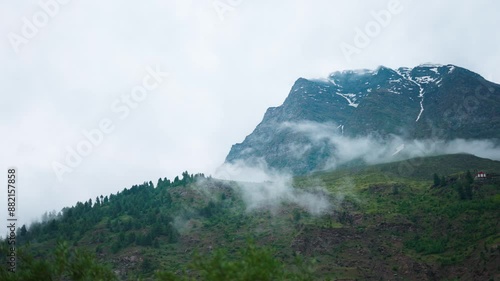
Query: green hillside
{"x": 390, "y": 221}
{"x": 417, "y": 168}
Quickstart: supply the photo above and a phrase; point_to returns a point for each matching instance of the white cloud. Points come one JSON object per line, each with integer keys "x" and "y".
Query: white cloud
{"x": 264, "y": 188}
{"x": 373, "y": 150}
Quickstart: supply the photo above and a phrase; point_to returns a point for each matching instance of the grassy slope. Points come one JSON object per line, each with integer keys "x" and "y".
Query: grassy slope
{"x": 423, "y": 229}
{"x": 386, "y": 224}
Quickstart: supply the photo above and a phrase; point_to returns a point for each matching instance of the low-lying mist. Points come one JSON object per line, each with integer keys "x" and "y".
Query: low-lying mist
{"x": 375, "y": 150}
{"x": 267, "y": 187}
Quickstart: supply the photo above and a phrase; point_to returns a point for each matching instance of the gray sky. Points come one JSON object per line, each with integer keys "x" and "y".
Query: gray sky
{"x": 228, "y": 61}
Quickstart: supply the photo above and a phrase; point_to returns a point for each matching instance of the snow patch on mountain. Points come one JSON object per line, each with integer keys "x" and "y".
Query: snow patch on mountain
{"x": 399, "y": 80}
{"x": 341, "y": 127}
{"x": 425, "y": 79}
{"x": 417, "y": 81}
{"x": 435, "y": 70}
{"x": 348, "y": 97}
{"x": 451, "y": 68}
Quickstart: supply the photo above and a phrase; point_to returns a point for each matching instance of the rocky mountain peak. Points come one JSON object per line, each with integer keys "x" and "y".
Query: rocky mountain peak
{"x": 413, "y": 103}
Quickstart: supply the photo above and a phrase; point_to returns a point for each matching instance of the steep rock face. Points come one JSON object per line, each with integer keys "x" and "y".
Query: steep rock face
{"x": 427, "y": 101}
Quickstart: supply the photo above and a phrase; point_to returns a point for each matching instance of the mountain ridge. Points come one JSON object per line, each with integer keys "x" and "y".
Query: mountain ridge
{"x": 423, "y": 102}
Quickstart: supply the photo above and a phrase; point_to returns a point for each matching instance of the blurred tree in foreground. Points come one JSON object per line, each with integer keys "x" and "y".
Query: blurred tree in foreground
{"x": 254, "y": 263}
{"x": 66, "y": 264}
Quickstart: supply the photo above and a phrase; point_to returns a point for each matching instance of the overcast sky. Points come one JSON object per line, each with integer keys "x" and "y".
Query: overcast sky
{"x": 228, "y": 61}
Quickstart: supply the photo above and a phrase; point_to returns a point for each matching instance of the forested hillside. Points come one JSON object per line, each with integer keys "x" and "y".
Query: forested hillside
{"x": 381, "y": 225}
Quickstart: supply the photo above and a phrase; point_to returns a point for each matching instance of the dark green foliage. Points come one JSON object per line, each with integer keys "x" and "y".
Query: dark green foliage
{"x": 252, "y": 263}
{"x": 211, "y": 209}
{"x": 464, "y": 186}
{"x": 23, "y": 231}
{"x": 147, "y": 265}
{"x": 437, "y": 181}
{"x": 427, "y": 245}
{"x": 344, "y": 217}
{"x": 62, "y": 264}
{"x": 468, "y": 177}
{"x": 296, "y": 215}
{"x": 432, "y": 226}
{"x": 141, "y": 205}
{"x": 468, "y": 220}
{"x": 461, "y": 191}
{"x": 395, "y": 190}
{"x": 443, "y": 181}
{"x": 468, "y": 190}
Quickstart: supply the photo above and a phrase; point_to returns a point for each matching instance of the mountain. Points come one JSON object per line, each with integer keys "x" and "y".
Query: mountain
{"x": 381, "y": 225}
{"x": 425, "y": 102}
